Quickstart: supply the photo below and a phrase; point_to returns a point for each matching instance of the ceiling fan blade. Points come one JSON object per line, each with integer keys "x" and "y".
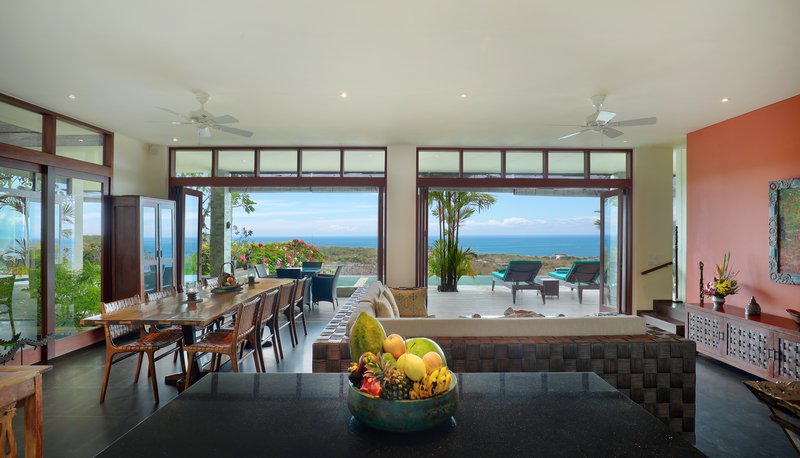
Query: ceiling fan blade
{"x": 225, "y": 119}
{"x": 574, "y": 134}
{"x": 611, "y": 133}
{"x": 175, "y": 113}
{"x": 232, "y": 130}
{"x": 634, "y": 122}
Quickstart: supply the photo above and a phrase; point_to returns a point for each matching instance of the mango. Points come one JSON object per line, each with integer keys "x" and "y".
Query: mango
{"x": 366, "y": 335}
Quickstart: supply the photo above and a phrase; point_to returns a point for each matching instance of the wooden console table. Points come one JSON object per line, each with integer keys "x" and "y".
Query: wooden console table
{"x": 21, "y": 385}
{"x": 764, "y": 345}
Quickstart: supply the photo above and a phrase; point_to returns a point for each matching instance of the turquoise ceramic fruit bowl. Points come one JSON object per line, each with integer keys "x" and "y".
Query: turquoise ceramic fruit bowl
{"x": 403, "y": 416}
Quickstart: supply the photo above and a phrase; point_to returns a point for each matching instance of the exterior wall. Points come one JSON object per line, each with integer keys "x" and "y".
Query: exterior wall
{"x": 652, "y": 225}
{"x": 729, "y": 167}
{"x": 139, "y": 168}
{"x": 401, "y": 214}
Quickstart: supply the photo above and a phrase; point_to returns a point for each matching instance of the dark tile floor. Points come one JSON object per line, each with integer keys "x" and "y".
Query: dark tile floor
{"x": 730, "y": 421}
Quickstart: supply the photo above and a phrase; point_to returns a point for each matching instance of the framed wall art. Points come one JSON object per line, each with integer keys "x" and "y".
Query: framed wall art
{"x": 784, "y": 231}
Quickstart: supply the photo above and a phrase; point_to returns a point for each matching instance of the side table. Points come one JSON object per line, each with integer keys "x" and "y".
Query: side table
{"x": 21, "y": 385}
{"x": 550, "y": 287}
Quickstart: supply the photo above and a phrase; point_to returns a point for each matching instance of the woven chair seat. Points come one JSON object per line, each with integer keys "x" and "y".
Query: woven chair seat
{"x": 214, "y": 341}
{"x": 152, "y": 340}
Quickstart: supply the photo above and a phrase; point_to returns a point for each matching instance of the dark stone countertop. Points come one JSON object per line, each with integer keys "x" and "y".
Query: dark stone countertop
{"x": 508, "y": 414}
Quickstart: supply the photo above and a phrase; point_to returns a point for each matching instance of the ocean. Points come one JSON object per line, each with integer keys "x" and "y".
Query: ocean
{"x": 526, "y": 245}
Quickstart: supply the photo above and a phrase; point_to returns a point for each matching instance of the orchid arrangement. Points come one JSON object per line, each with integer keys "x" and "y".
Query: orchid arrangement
{"x": 724, "y": 283}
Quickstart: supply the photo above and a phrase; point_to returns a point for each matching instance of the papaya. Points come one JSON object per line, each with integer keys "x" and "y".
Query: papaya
{"x": 367, "y": 334}
{"x": 421, "y": 345}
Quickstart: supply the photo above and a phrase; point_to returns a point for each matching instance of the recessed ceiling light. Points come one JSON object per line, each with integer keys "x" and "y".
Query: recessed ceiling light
{"x": 725, "y": 100}
{"x": 343, "y": 94}
{"x": 80, "y": 140}
{"x": 72, "y": 97}
{"x": 463, "y": 95}
{"x": 174, "y": 123}
{"x": 174, "y": 139}
{"x": 624, "y": 141}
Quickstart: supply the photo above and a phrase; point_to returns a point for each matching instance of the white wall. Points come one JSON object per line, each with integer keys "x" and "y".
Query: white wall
{"x": 652, "y": 225}
{"x": 139, "y": 168}
{"x": 401, "y": 214}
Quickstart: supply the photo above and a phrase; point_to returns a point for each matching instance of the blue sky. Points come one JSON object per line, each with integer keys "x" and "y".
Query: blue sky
{"x": 355, "y": 214}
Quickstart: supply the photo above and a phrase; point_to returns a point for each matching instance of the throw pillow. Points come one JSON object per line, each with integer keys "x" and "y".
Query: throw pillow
{"x": 411, "y": 301}
{"x": 387, "y": 293}
{"x": 382, "y": 308}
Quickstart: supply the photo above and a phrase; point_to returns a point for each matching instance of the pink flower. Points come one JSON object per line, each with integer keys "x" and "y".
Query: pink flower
{"x": 243, "y": 257}
{"x": 261, "y": 245}
{"x": 278, "y": 264}
{"x": 264, "y": 260}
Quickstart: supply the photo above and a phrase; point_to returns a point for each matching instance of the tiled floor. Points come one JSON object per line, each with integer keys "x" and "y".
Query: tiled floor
{"x": 730, "y": 422}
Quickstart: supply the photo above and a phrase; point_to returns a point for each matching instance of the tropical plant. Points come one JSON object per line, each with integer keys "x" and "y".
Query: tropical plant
{"x": 448, "y": 260}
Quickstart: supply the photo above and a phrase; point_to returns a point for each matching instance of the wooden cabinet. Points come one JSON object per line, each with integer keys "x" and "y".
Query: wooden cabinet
{"x": 765, "y": 345}
{"x": 142, "y": 245}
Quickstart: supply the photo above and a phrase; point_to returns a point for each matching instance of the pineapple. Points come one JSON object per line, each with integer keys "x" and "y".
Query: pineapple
{"x": 394, "y": 383}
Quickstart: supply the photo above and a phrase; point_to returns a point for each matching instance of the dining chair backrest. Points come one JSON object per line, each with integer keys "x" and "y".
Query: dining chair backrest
{"x": 245, "y": 319}
{"x": 299, "y": 290}
{"x": 167, "y": 291}
{"x": 269, "y": 307}
{"x": 112, "y": 331}
{"x": 211, "y": 282}
{"x": 285, "y": 296}
{"x": 288, "y": 273}
{"x": 261, "y": 271}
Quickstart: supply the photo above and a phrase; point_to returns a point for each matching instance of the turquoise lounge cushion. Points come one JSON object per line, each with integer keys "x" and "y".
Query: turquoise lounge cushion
{"x": 559, "y": 274}
{"x": 499, "y": 274}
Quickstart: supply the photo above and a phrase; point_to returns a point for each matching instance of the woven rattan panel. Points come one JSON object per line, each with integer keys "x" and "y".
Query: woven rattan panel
{"x": 788, "y": 354}
{"x": 748, "y": 344}
{"x": 704, "y": 329}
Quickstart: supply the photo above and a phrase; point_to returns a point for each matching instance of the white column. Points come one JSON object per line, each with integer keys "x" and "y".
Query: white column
{"x": 401, "y": 215}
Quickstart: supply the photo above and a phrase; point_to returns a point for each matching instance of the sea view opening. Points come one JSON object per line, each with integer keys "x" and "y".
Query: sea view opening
{"x": 547, "y": 225}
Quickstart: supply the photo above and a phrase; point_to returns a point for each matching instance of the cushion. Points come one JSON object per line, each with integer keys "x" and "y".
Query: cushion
{"x": 387, "y": 293}
{"x": 383, "y": 309}
{"x": 411, "y": 302}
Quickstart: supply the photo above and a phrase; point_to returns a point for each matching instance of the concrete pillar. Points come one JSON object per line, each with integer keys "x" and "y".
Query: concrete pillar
{"x": 220, "y": 228}
{"x": 401, "y": 214}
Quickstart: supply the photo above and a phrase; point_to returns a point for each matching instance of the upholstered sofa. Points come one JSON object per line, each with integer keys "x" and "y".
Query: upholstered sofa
{"x": 652, "y": 367}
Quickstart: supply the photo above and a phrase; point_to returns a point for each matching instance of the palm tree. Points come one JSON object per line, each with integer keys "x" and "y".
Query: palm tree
{"x": 448, "y": 260}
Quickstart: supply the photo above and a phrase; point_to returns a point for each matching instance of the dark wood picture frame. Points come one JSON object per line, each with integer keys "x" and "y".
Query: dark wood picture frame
{"x": 784, "y": 249}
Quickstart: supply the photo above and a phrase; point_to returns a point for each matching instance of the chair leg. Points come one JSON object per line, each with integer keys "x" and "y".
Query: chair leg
{"x": 275, "y": 348}
{"x": 190, "y": 357}
{"x": 152, "y": 363}
{"x": 513, "y": 295}
{"x": 277, "y": 334}
{"x": 105, "y": 377}
{"x": 492, "y": 285}
{"x": 292, "y": 328}
{"x": 180, "y": 353}
{"x": 336, "y": 304}
{"x": 234, "y": 361}
{"x": 580, "y": 295}
{"x": 258, "y": 353}
{"x": 138, "y": 368}
{"x": 305, "y": 328}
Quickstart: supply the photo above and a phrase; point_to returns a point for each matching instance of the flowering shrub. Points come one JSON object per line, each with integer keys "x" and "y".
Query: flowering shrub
{"x": 724, "y": 283}
{"x": 273, "y": 255}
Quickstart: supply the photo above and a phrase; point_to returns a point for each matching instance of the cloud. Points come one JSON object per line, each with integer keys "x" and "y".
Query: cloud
{"x": 513, "y": 221}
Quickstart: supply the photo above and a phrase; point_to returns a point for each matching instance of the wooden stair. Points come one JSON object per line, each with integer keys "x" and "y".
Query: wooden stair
{"x": 666, "y": 316}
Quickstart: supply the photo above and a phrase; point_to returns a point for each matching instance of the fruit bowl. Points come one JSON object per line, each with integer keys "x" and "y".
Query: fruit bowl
{"x": 405, "y": 415}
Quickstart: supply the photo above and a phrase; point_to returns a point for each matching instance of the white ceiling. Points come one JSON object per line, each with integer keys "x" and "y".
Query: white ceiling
{"x": 280, "y": 66}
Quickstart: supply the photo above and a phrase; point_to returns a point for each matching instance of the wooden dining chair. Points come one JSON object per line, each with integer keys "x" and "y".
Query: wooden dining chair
{"x": 298, "y": 310}
{"x": 266, "y": 328}
{"x": 230, "y": 344}
{"x": 167, "y": 291}
{"x": 147, "y": 343}
{"x": 285, "y": 294}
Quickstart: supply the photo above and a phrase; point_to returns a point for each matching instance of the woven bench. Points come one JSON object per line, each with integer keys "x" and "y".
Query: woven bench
{"x": 656, "y": 370}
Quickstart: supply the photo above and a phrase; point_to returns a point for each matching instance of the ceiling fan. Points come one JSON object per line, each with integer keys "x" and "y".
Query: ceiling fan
{"x": 205, "y": 121}
{"x": 600, "y": 121}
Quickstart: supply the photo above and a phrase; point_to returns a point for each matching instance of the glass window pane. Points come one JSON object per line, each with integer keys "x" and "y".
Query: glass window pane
{"x": 79, "y": 143}
{"x": 20, "y": 248}
{"x": 20, "y": 127}
{"x": 438, "y": 164}
{"x": 191, "y": 221}
{"x": 79, "y": 213}
{"x": 608, "y": 165}
{"x": 166, "y": 233}
{"x": 189, "y": 163}
{"x": 320, "y": 162}
{"x": 149, "y": 233}
{"x": 278, "y": 163}
{"x": 232, "y": 163}
{"x": 369, "y": 163}
{"x": 524, "y": 164}
{"x": 482, "y": 164}
{"x": 564, "y": 164}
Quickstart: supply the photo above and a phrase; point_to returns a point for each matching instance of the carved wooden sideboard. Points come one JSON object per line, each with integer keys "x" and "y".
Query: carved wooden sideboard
{"x": 764, "y": 345}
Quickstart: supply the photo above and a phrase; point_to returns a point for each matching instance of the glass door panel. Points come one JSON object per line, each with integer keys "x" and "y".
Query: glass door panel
{"x": 20, "y": 253}
{"x": 610, "y": 250}
{"x": 192, "y": 201}
{"x": 167, "y": 239}
{"x": 149, "y": 248}
{"x": 78, "y": 255}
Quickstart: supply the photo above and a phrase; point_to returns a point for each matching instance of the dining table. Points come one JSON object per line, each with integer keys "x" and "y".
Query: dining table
{"x": 208, "y": 307}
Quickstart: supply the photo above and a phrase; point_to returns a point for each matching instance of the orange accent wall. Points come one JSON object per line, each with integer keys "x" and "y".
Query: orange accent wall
{"x": 729, "y": 167}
